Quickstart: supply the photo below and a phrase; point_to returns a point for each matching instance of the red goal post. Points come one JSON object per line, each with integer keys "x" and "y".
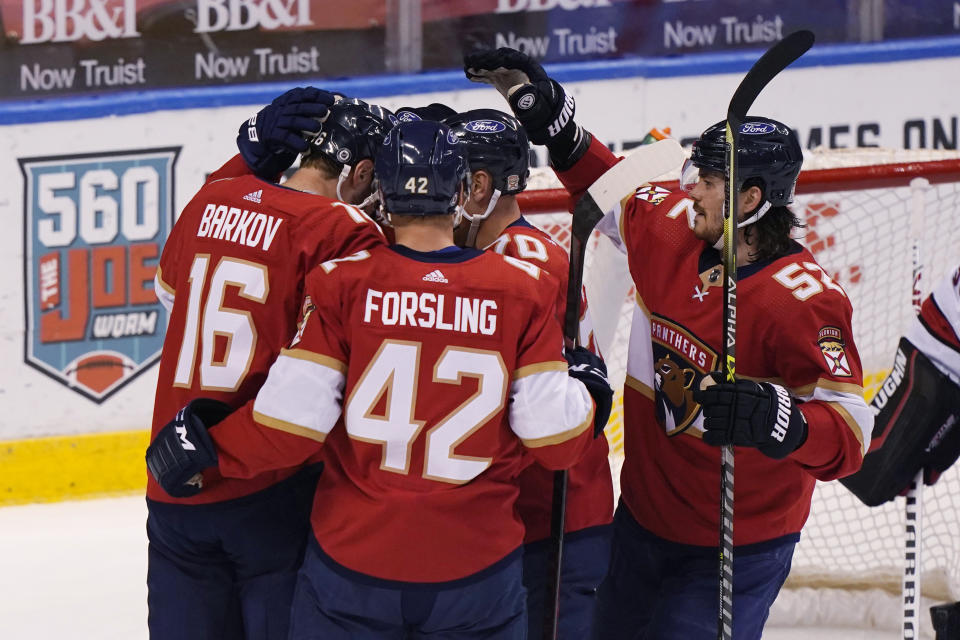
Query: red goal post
{"x": 857, "y": 206}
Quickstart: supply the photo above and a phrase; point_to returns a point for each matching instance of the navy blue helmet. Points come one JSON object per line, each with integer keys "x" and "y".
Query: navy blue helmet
{"x": 353, "y": 131}
{"x": 434, "y": 111}
{"x": 496, "y": 143}
{"x": 420, "y": 167}
{"x": 768, "y": 150}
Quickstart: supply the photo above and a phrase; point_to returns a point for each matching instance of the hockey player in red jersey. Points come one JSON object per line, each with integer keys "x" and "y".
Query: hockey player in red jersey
{"x": 223, "y": 564}
{"x": 795, "y": 414}
{"x": 918, "y": 405}
{"x": 498, "y": 152}
{"x": 448, "y": 365}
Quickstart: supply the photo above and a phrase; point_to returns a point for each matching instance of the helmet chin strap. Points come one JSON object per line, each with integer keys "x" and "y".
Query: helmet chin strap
{"x": 476, "y": 219}
{"x": 340, "y": 180}
{"x": 759, "y": 213}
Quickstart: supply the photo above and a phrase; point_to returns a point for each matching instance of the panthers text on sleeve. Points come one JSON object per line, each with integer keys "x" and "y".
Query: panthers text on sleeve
{"x": 793, "y": 328}
{"x": 449, "y": 368}
{"x": 231, "y": 275}
{"x": 589, "y": 484}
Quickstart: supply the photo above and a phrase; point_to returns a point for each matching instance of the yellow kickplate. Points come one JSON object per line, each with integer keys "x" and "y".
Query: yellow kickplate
{"x": 71, "y": 467}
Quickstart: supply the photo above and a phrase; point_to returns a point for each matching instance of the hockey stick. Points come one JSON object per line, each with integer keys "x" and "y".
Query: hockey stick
{"x": 641, "y": 166}
{"x": 911, "y": 587}
{"x": 775, "y": 60}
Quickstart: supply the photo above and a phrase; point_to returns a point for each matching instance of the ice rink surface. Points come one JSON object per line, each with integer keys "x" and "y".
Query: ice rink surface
{"x": 77, "y": 571}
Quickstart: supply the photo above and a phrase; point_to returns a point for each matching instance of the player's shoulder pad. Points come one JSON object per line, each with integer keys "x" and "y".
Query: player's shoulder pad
{"x": 657, "y": 200}
{"x": 525, "y": 280}
{"x": 344, "y": 264}
{"x": 533, "y": 244}
{"x": 798, "y": 278}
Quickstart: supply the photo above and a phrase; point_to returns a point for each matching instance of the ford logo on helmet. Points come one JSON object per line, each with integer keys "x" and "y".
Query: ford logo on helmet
{"x": 408, "y": 116}
{"x": 757, "y": 128}
{"x": 485, "y": 126}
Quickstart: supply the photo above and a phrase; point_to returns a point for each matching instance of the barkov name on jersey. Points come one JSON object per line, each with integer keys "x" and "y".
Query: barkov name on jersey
{"x": 430, "y": 311}
{"x": 241, "y": 226}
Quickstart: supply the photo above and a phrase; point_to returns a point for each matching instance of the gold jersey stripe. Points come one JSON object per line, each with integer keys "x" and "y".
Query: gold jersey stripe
{"x": 310, "y": 356}
{"x": 570, "y": 434}
{"x": 808, "y": 389}
{"x": 540, "y": 367}
{"x": 639, "y": 387}
{"x": 851, "y": 423}
{"x": 288, "y": 427}
{"x": 163, "y": 284}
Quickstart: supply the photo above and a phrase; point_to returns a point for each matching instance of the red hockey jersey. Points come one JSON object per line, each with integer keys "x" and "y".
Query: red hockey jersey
{"x": 231, "y": 275}
{"x": 793, "y": 328}
{"x": 589, "y": 484}
{"x": 448, "y": 366}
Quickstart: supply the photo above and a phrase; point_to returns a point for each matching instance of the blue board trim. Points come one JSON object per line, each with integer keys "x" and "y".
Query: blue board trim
{"x": 130, "y": 102}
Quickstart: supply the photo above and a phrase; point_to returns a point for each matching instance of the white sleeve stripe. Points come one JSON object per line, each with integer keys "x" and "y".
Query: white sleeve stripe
{"x": 310, "y": 356}
{"x": 548, "y": 405}
{"x": 857, "y": 418}
{"x": 165, "y": 294}
{"x": 300, "y": 394}
{"x": 853, "y": 410}
{"x": 539, "y": 367}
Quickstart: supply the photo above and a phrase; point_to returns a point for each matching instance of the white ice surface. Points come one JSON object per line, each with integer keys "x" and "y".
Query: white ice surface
{"x": 77, "y": 571}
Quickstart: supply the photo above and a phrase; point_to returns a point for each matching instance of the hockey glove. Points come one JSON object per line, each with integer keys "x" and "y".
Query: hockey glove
{"x": 183, "y": 449}
{"x": 750, "y": 414}
{"x": 539, "y": 102}
{"x": 271, "y": 140}
{"x": 589, "y": 368}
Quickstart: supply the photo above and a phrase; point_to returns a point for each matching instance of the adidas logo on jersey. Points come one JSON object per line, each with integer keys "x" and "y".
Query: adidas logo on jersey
{"x": 435, "y": 276}
{"x": 254, "y": 196}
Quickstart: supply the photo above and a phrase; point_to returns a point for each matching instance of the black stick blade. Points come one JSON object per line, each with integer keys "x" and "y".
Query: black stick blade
{"x": 776, "y": 59}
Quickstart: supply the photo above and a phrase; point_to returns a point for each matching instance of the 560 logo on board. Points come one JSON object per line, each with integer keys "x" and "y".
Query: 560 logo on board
{"x": 94, "y": 226}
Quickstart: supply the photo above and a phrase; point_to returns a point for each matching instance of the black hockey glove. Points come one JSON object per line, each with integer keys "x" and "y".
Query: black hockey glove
{"x": 183, "y": 449}
{"x": 539, "y": 102}
{"x": 751, "y": 414}
{"x": 271, "y": 140}
{"x": 589, "y": 368}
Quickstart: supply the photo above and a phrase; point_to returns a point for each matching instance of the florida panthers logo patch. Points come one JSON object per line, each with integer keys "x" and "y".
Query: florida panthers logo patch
{"x": 831, "y": 345}
{"x": 680, "y": 362}
{"x": 652, "y": 194}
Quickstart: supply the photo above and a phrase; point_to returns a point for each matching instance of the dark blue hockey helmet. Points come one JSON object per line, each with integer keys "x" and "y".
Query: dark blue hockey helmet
{"x": 768, "y": 150}
{"x": 352, "y": 131}
{"x": 434, "y": 111}
{"x": 420, "y": 167}
{"x": 496, "y": 143}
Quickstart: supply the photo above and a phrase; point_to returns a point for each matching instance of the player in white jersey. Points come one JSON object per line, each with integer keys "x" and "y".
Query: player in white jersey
{"x": 918, "y": 404}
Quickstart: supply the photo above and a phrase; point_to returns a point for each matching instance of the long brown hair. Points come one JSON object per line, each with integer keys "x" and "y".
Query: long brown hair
{"x": 770, "y": 236}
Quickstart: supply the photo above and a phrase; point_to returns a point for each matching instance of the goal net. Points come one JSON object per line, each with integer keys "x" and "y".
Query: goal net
{"x": 862, "y": 209}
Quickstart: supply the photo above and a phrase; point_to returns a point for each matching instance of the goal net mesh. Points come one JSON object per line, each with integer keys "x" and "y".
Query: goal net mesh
{"x": 863, "y": 209}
